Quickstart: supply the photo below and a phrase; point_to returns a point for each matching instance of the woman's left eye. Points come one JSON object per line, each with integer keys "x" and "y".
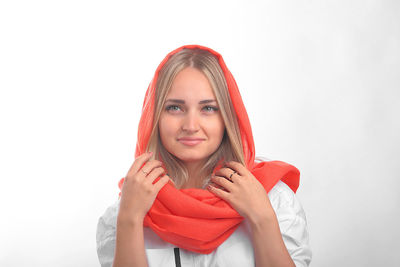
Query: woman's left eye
{"x": 210, "y": 108}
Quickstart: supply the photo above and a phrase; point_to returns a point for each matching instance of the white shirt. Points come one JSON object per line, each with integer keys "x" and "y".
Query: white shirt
{"x": 237, "y": 250}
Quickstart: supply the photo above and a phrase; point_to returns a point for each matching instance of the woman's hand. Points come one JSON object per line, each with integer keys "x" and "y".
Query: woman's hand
{"x": 138, "y": 191}
{"x": 238, "y": 186}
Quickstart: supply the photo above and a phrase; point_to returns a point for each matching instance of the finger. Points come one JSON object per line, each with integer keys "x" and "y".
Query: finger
{"x": 219, "y": 192}
{"x": 160, "y": 183}
{"x": 154, "y": 174}
{"x": 217, "y": 185}
{"x": 228, "y": 173}
{"x": 139, "y": 161}
{"x": 149, "y": 166}
{"x": 222, "y": 181}
{"x": 238, "y": 167}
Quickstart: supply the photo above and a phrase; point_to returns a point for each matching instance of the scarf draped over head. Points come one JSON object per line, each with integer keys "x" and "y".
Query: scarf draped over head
{"x": 196, "y": 219}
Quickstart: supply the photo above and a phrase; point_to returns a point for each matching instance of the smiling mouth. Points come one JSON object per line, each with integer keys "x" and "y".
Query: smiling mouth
{"x": 190, "y": 142}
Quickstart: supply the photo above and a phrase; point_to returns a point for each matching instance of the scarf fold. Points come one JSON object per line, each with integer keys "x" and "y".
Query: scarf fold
{"x": 195, "y": 219}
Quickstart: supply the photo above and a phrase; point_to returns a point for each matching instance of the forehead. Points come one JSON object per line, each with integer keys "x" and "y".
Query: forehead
{"x": 191, "y": 83}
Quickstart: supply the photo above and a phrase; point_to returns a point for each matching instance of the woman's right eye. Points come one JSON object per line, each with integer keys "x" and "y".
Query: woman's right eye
{"x": 172, "y": 108}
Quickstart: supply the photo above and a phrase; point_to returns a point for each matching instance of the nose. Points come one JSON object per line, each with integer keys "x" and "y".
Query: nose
{"x": 190, "y": 122}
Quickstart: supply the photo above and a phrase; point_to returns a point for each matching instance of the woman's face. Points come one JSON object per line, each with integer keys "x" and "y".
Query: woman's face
{"x": 191, "y": 127}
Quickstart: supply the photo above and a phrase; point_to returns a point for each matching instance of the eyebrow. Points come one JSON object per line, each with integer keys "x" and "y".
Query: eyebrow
{"x": 180, "y": 101}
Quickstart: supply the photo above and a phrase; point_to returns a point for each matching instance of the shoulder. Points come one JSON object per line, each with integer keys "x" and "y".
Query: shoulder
{"x": 107, "y": 222}
{"x": 292, "y": 223}
{"x": 109, "y": 217}
{"x": 105, "y": 235}
{"x": 285, "y": 202}
{"x": 281, "y": 195}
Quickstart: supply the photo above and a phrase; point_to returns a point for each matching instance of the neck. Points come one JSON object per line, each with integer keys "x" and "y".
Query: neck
{"x": 195, "y": 177}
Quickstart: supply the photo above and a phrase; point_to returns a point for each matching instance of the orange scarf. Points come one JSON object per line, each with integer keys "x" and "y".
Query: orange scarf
{"x": 195, "y": 219}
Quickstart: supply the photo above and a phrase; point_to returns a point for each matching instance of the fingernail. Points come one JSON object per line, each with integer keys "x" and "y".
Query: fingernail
{"x": 150, "y": 153}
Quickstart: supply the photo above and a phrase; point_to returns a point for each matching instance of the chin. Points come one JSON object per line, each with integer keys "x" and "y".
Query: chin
{"x": 190, "y": 157}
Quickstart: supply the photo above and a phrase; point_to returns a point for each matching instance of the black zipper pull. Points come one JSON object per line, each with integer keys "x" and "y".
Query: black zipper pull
{"x": 177, "y": 257}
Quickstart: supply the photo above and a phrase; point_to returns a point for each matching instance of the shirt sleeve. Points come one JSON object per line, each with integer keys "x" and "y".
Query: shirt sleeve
{"x": 292, "y": 223}
{"x": 106, "y": 234}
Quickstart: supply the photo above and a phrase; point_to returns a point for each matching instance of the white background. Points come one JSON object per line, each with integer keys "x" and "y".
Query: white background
{"x": 320, "y": 80}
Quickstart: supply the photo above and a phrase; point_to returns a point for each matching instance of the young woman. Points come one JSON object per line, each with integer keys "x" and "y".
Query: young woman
{"x": 195, "y": 196}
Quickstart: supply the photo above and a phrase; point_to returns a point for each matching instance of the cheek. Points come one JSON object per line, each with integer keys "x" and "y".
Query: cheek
{"x": 166, "y": 127}
{"x": 218, "y": 128}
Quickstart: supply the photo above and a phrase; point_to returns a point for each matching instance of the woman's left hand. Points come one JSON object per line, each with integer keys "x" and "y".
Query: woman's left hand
{"x": 242, "y": 191}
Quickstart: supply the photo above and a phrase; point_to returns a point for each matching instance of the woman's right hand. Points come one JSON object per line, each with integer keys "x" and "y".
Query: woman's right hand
{"x": 138, "y": 191}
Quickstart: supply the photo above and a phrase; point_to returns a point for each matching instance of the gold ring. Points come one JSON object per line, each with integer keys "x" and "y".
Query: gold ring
{"x": 230, "y": 176}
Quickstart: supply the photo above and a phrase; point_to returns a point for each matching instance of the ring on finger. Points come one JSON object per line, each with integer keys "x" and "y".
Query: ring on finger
{"x": 144, "y": 172}
{"x": 230, "y": 176}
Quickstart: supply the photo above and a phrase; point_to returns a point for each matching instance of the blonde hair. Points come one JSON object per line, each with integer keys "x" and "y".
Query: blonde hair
{"x": 231, "y": 144}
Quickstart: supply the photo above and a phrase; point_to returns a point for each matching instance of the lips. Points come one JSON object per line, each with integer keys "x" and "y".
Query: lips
{"x": 190, "y": 141}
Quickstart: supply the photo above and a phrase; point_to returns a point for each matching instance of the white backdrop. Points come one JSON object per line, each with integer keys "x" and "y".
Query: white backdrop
{"x": 320, "y": 80}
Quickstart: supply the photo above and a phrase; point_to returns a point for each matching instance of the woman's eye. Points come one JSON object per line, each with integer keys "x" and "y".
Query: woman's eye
{"x": 172, "y": 108}
{"x": 210, "y": 108}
